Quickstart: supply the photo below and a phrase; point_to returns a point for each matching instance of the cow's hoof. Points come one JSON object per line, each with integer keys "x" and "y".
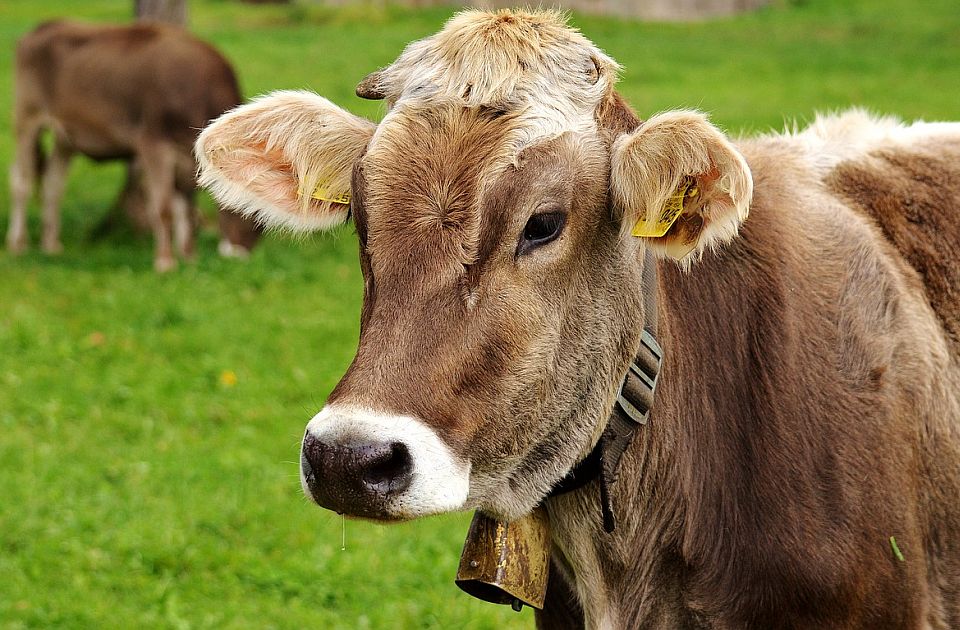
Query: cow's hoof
{"x": 17, "y": 241}
{"x": 229, "y": 250}
{"x": 163, "y": 265}
{"x": 52, "y": 248}
{"x": 17, "y": 246}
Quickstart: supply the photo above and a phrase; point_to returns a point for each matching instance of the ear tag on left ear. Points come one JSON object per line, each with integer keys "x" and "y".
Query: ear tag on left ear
{"x": 655, "y": 228}
{"x": 323, "y": 193}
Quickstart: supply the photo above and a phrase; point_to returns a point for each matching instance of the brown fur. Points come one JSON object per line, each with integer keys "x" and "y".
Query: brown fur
{"x": 792, "y": 436}
{"x": 119, "y": 92}
{"x": 782, "y": 453}
{"x": 808, "y": 407}
{"x": 913, "y": 195}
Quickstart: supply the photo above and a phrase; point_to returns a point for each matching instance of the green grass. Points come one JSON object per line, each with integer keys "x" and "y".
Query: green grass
{"x": 139, "y": 488}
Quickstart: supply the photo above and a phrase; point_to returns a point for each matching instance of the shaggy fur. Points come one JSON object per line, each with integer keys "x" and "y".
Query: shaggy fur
{"x": 532, "y": 64}
{"x": 264, "y": 159}
{"x": 648, "y": 166}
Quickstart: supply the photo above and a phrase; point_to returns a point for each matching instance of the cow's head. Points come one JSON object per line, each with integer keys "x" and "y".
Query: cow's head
{"x": 238, "y": 234}
{"x": 494, "y": 204}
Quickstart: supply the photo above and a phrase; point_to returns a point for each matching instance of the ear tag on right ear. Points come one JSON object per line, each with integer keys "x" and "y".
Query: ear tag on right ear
{"x": 655, "y": 228}
{"x": 323, "y": 193}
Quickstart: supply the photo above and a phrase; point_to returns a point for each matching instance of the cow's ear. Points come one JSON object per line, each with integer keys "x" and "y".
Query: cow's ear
{"x": 680, "y": 184}
{"x": 285, "y": 159}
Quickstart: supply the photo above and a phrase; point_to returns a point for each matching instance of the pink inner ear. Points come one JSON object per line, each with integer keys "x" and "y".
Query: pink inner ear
{"x": 713, "y": 202}
{"x": 267, "y": 176}
{"x": 708, "y": 179}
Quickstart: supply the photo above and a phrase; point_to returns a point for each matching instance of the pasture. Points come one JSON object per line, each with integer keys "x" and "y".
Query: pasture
{"x": 149, "y": 424}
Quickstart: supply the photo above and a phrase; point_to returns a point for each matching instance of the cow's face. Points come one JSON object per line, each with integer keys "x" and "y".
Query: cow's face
{"x": 502, "y": 286}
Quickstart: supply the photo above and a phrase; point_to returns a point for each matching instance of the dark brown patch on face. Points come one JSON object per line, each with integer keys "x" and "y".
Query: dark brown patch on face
{"x": 424, "y": 177}
{"x": 914, "y": 196}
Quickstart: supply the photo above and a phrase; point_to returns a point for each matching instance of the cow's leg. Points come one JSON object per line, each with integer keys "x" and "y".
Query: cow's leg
{"x": 157, "y": 160}
{"x": 183, "y": 225}
{"x": 23, "y": 176}
{"x": 131, "y": 201}
{"x": 54, "y": 181}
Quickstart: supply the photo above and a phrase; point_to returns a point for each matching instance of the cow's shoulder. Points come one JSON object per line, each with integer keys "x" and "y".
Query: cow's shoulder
{"x": 908, "y": 182}
{"x": 903, "y": 179}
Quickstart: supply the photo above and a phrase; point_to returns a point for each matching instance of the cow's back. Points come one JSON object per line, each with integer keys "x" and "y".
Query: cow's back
{"x": 912, "y": 192}
{"x": 106, "y": 87}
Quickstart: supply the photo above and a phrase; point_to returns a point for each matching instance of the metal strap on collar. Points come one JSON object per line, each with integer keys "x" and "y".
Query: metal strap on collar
{"x": 631, "y": 411}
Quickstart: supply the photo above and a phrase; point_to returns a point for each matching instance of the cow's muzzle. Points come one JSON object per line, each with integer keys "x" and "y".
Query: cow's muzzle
{"x": 381, "y": 466}
{"x": 356, "y": 479}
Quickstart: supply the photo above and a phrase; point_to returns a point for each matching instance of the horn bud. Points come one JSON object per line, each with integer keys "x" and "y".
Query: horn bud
{"x": 370, "y": 89}
{"x": 507, "y": 562}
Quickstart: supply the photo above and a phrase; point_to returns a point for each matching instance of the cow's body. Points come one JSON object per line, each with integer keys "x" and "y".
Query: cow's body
{"x": 808, "y": 408}
{"x": 138, "y": 93}
{"x": 806, "y": 427}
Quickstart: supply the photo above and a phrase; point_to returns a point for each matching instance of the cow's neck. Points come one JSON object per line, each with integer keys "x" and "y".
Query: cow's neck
{"x": 635, "y": 576}
{"x": 632, "y": 568}
{"x": 609, "y": 570}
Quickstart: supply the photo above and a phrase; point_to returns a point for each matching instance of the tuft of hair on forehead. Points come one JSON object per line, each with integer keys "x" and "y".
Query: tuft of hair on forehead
{"x": 527, "y": 62}
{"x": 425, "y": 176}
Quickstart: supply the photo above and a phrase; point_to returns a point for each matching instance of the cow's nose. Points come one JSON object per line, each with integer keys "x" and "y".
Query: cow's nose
{"x": 355, "y": 478}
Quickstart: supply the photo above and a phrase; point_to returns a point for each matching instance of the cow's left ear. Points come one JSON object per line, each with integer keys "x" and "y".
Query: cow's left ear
{"x": 680, "y": 184}
{"x": 285, "y": 159}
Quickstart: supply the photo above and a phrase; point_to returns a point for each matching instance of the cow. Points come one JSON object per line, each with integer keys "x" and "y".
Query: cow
{"x": 524, "y": 236}
{"x": 138, "y": 92}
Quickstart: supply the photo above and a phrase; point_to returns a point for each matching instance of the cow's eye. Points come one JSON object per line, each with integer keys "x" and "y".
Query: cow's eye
{"x": 540, "y": 229}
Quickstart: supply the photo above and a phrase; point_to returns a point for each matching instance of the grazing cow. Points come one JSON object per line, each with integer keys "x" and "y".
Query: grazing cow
{"x": 801, "y": 463}
{"x": 130, "y": 92}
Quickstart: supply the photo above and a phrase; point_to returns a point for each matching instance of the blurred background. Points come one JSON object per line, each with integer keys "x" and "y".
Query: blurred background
{"x": 149, "y": 424}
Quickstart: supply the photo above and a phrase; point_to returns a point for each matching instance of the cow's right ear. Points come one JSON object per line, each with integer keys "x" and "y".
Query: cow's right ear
{"x": 285, "y": 159}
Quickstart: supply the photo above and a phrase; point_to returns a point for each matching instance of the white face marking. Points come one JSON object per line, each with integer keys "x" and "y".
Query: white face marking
{"x": 441, "y": 481}
{"x": 549, "y": 76}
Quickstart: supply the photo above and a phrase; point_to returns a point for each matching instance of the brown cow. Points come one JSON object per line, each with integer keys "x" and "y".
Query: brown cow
{"x": 130, "y": 92}
{"x": 801, "y": 464}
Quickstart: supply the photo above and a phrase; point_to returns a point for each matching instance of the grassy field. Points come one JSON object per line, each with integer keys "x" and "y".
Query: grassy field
{"x": 149, "y": 424}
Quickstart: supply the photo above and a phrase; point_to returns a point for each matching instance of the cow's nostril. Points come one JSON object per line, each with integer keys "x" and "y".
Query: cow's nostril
{"x": 389, "y": 469}
{"x": 311, "y": 455}
{"x": 305, "y": 466}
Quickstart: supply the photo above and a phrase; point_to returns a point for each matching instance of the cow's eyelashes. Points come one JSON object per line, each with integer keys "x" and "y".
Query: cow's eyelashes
{"x": 540, "y": 229}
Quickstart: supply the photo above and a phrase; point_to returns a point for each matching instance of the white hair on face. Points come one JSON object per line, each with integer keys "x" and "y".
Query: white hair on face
{"x": 532, "y": 65}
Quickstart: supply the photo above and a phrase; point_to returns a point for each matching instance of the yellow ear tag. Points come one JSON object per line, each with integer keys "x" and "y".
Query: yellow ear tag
{"x": 657, "y": 227}
{"x": 325, "y": 194}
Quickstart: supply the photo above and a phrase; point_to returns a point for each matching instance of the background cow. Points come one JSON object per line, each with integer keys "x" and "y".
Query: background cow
{"x": 801, "y": 466}
{"x": 138, "y": 92}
